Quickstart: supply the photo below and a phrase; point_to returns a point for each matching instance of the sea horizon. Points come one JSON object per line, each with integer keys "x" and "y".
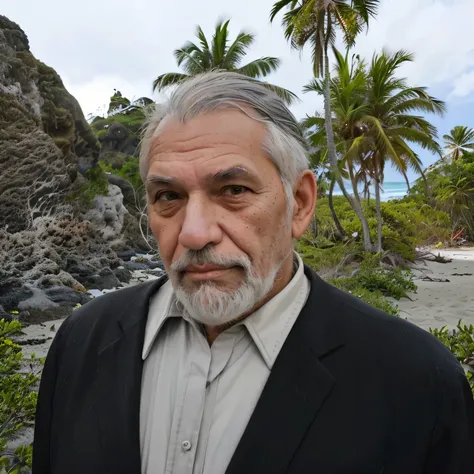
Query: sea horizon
{"x": 390, "y": 190}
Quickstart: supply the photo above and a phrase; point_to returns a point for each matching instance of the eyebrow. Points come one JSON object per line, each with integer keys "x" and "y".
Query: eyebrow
{"x": 221, "y": 176}
{"x": 155, "y": 179}
{"x": 231, "y": 173}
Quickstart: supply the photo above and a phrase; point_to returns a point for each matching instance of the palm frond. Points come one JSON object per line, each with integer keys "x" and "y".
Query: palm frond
{"x": 169, "y": 79}
{"x": 279, "y": 6}
{"x": 287, "y": 96}
{"x": 260, "y": 67}
{"x": 316, "y": 85}
{"x": 237, "y": 50}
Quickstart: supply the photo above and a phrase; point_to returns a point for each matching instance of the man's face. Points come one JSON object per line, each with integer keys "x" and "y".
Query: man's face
{"x": 217, "y": 208}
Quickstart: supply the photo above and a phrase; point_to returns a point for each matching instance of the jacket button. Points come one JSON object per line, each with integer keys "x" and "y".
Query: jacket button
{"x": 186, "y": 445}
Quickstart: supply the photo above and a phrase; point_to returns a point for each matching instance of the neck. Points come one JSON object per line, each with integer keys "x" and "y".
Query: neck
{"x": 283, "y": 277}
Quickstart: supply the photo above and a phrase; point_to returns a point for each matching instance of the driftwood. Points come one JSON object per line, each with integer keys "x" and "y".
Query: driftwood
{"x": 437, "y": 280}
{"x": 431, "y": 257}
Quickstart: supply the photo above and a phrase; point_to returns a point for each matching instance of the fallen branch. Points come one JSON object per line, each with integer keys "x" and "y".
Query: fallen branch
{"x": 431, "y": 257}
{"x": 437, "y": 280}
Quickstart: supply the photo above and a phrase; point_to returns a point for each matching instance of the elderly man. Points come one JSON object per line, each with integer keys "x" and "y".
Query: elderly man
{"x": 242, "y": 361}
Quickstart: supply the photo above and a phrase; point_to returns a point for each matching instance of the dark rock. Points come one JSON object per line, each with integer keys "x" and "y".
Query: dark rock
{"x": 135, "y": 266}
{"x": 152, "y": 265}
{"x": 107, "y": 279}
{"x": 66, "y": 296}
{"x": 38, "y": 315}
{"x": 4, "y": 315}
{"x": 12, "y": 295}
{"x": 124, "y": 275}
{"x": 119, "y": 139}
{"x": 126, "y": 255}
{"x": 81, "y": 270}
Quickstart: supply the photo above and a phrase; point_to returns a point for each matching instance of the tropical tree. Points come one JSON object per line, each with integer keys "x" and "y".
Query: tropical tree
{"x": 376, "y": 121}
{"x": 221, "y": 54}
{"x": 394, "y": 124}
{"x": 317, "y": 22}
{"x": 459, "y": 142}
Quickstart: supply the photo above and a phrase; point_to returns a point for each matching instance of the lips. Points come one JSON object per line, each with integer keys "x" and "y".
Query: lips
{"x": 204, "y": 268}
{"x": 205, "y": 272}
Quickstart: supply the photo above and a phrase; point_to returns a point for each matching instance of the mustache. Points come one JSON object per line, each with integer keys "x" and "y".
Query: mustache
{"x": 207, "y": 255}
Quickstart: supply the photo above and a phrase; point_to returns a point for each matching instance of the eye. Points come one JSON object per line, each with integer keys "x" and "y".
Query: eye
{"x": 235, "y": 190}
{"x": 167, "y": 196}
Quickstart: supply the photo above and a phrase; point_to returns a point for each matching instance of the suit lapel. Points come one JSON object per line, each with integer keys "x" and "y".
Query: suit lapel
{"x": 118, "y": 383}
{"x": 295, "y": 391}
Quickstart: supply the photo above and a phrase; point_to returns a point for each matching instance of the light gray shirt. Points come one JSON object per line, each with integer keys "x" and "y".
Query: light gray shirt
{"x": 196, "y": 399}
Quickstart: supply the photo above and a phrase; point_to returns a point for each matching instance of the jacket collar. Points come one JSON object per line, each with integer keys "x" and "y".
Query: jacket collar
{"x": 297, "y": 388}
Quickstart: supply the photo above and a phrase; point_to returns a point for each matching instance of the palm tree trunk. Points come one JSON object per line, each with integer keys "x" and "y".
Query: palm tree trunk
{"x": 340, "y": 229}
{"x": 314, "y": 227}
{"x": 354, "y": 201}
{"x": 332, "y": 156}
{"x": 379, "y": 215}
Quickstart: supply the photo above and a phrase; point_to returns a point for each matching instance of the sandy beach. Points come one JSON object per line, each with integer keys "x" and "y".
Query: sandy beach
{"x": 442, "y": 303}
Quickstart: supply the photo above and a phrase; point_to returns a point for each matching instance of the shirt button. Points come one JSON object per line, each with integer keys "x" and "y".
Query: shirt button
{"x": 186, "y": 445}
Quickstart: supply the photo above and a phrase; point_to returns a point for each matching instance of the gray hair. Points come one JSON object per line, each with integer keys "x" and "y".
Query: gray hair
{"x": 206, "y": 92}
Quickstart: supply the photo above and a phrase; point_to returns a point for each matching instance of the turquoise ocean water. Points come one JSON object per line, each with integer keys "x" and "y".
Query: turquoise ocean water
{"x": 390, "y": 190}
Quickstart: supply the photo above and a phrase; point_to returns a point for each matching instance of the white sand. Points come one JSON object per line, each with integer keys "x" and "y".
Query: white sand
{"x": 438, "y": 304}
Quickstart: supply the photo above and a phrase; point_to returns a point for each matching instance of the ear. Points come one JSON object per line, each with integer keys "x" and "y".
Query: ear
{"x": 305, "y": 196}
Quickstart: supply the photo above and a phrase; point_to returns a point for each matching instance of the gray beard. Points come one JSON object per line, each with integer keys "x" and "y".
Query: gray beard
{"x": 213, "y": 307}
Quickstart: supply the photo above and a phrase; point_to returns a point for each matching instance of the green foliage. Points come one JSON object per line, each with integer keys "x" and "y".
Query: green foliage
{"x": 407, "y": 224}
{"x": 132, "y": 121}
{"x": 117, "y": 101}
{"x": 97, "y": 184}
{"x": 129, "y": 171}
{"x": 374, "y": 298}
{"x": 373, "y": 283}
{"x": 18, "y": 398}
{"x": 450, "y": 188}
{"x": 461, "y": 343}
{"x": 221, "y": 53}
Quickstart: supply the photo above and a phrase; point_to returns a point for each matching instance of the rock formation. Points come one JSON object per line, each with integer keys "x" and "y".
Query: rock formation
{"x": 58, "y": 235}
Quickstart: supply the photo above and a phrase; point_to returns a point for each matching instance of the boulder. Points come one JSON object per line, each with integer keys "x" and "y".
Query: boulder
{"x": 65, "y": 296}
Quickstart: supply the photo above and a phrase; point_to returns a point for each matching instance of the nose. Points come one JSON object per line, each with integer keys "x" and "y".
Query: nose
{"x": 200, "y": 227}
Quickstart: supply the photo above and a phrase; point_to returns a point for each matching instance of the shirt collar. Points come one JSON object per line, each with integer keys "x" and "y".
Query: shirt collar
{"x": 269, "y": 326}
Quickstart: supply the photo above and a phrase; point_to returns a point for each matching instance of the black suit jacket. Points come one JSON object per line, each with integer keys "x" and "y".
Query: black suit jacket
{"x": 353, "y": 391}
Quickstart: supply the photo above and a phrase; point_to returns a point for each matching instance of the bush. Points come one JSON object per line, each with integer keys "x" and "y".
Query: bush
{"x": 130, "y": 171}
{"x": 461, "y": 343}
{"x": 18, "y": 398}
{"x": 97, "y": 184}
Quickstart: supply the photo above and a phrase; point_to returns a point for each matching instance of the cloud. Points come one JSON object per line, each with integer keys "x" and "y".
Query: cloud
{"x": 438, "y": 32}
{"x": 99, "y": 45}
{"x": 464, "y": 85}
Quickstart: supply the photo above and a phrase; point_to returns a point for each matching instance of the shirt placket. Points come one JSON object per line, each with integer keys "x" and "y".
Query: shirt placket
{"x": 188, "y": 414}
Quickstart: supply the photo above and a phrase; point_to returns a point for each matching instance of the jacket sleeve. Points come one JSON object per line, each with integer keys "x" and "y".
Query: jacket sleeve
{"x": 452, "y": 443}
{"x": 45, "y": 405}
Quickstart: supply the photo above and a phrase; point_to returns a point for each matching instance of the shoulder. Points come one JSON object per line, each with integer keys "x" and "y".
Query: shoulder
{"x": 96, "y": 316}
{"x": 391, "y": 340}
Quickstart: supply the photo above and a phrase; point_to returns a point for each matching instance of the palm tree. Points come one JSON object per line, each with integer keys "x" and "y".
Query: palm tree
{"x": 393, "y": 124}
{"x": 373, "y": 115}
{"x": 459, "y": 141}
{"x": 316, "y": 22}
{"x": 218, "y": 54}
{"x": 348, "y": 92}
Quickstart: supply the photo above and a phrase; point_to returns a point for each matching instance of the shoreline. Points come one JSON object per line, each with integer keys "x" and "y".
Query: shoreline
{"x": 438, "y": 302}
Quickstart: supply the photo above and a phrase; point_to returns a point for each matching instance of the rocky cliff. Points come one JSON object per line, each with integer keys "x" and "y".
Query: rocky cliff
{"x": 61, "y": 222}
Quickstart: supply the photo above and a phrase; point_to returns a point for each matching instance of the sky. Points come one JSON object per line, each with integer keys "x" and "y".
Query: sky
{"x": 99, "y": 45}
